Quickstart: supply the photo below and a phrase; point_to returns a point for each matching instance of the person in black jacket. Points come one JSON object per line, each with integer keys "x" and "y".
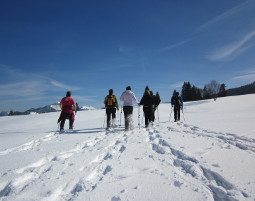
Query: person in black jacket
{"x": 154, "y": 105}
{"x": 177, "y": 103}
{"x": 157, "y": 101}
{"x": 148, "y": 107}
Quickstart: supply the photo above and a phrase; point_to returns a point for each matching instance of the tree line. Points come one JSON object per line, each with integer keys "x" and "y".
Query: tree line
{"x": 211, "y": 90}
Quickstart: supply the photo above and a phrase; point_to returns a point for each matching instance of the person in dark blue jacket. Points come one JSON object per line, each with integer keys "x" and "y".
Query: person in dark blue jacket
{"x": 177, "y": 103}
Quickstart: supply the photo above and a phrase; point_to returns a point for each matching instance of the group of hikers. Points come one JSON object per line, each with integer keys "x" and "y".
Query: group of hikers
{"x": 149, "y": 102}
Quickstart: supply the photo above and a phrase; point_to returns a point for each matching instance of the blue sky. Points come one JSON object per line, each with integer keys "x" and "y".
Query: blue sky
{"x": 51, "y": 46}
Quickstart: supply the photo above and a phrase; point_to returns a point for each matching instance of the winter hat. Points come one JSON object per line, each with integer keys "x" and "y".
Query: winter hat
{"x": 128, "y": 88}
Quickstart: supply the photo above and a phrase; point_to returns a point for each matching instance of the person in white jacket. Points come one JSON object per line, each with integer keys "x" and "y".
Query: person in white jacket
{"x": 128, "y": 97}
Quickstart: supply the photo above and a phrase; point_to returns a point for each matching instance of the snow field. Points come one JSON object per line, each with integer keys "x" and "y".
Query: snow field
{"x": 201, "y": 158}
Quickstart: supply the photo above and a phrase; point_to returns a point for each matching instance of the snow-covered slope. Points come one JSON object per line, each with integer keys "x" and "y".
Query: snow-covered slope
{"x": 209, "y": 156}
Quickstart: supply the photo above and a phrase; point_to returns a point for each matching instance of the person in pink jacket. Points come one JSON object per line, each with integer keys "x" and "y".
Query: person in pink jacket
{"x": 128, "y": 97}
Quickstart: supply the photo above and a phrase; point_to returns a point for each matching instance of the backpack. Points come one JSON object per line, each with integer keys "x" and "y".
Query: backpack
{"x": 176, "y": 101}
{"x": 110, "y": 101}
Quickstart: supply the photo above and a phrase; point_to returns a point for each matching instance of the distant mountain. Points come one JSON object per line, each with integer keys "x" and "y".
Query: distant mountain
{"x": 56, "y": 106}
{"x": 48, "y": 108}
{"x": 246, "y": 89}
{"x": 3, "y": 113}
{"x": 45, "y": 109}
{"x": 87, "y": 108}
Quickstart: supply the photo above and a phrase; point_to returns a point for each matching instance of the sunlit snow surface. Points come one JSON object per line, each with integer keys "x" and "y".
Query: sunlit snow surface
{"x": 208, "y": 156}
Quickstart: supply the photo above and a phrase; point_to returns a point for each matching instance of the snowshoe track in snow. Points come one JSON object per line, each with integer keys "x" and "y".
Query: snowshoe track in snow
{"x": 29, "y": 145}
{"x": 211, "y": 182}
{"x": 107, "y": 148}
{"x": 243, "y": 143}
{"x": 29, "y": 175}
{"x": 90, "y": 175}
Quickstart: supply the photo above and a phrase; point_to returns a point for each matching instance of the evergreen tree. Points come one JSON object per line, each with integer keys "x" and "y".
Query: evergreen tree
{"x": 222, "y": 91}
{"x": 186, "y": 91}
{"x": 11, "y": 113}
{"x": 191, "y": 93}
{"x": 211, "y": 90}
{"x": 195, "y": 93}
{"x": 174, "y": 92}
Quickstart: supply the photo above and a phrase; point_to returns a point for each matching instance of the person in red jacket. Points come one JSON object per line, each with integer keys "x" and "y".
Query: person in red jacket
{"x": 68, "y": 106}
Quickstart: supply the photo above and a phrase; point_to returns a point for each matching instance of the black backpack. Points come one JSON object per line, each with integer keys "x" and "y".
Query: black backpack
{"x": 176, "y": 101}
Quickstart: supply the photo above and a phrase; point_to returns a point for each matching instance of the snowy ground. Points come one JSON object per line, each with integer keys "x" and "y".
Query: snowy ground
{"x": 209, "y": 156}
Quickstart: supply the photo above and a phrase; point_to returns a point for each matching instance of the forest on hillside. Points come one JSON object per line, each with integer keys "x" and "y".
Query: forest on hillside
{"x": 214, "y": 90}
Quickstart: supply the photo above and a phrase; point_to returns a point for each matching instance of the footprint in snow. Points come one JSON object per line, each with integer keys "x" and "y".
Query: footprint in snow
{"x": 115, "y": 198}
{"x": 177, "y": 184}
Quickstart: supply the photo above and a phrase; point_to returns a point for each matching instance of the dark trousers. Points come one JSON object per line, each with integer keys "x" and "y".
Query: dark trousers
{"x": 128, "y": 111}
{"x": 177, "y": 113}
{"x": 148, "y": 115}
{"x": 111, "y": 115}
{"x": 63, "y": 118}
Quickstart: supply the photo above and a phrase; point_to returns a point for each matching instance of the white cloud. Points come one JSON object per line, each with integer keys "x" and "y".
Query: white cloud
{"x": 242, "y": 79}
{"x": 248, "y": 77}
{"x": 248, "y": 71}
{"x": 177, "y": 85}
{"x": 22, "y": 89}
{"x": 63, "y": 86}
{"x": 20, "y": 84}
{"x": 227, "y": 14}
{"x": 174, "y": 45}
{"x": 84, "y": 98}
{"x": 234, "y": 49}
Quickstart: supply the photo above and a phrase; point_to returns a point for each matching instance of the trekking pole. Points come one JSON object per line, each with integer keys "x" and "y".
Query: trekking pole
{"x": 104, "y": 120}
{"x": 139, "y": 117}
{"x": 158, "y": 114}
{"x": 117, "y": 117}
{"x": 143, "y": 117}
{"x": 59, "y": 121}
{"x": 58, "y": 126}
{"x": 74, "y": 118}
{"x": 170, "y": 113}
{"x": 120, "y": 115}
{"x": 183, "y": 114}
